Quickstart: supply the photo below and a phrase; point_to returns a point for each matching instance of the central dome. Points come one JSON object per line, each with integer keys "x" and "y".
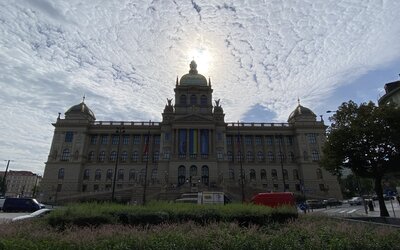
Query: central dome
{"x": 193, "y": 78}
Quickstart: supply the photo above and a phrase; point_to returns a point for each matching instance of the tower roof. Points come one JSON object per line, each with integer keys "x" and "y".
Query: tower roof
{"x": 80, "y": 109}
{"x": 193, "y": 78}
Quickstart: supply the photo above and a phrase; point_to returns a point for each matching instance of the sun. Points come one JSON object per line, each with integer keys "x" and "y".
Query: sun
{"x": 202, "y": 58}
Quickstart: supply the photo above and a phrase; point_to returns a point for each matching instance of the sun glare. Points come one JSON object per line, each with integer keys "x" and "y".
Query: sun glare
{"x": 202, "y": 58}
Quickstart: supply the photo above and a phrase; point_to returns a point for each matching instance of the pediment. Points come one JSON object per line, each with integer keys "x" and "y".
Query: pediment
{"x": 193, "y": 118}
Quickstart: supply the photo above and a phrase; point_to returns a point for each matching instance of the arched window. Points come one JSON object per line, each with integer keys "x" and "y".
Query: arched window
{"x": 291, "y": 156}
{"x": 285, "y": 174}
{"x": 274, "y": 174}
{"x": 249, "y": 156}
{"x": 181, "y": 175}
{"x": 271, "y": 156}
{"x": 91, "y": 156}
{"x": 229, "y": 155}
{"x": 263, "y": 174}
{"x": 132, "y": 175}
{"x": 295, "y": 174}
{"x": 319, "y": 173}
{"x": 193, "y": 170}
{"x": 315, "y": 155}
{"x": 65, "y": 155}
{"x": 204, "y": 175}
{"x": 231, "y": 174}
{"x": 86, "y": 174}
{"x": 193, "y": 99}
{"x": 260, "y": 156}
{"x": 135, "y": 156}
{"x": 124, "y": 156}
{"x": 109, "y": 174}
{"x": 182, "y": 99}
{"x": 97, "y": 175}
{"x": 113, "y": 156}
{"x": 252, "y": 175}
{"x": 61, "y": 174}
{"x": 120, "y": 174}
{"x": 102, "y": 156}
{"x": 156, "y": 156}
{"x": 203, "y": 100}
{"x": 281, "y": 156}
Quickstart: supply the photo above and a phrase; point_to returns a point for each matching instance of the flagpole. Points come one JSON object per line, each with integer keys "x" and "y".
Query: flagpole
{"x": 147, "y": 164}
{"x": 241, "y": 164}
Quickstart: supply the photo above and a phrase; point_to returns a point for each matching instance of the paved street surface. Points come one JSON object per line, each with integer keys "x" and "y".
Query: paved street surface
{"x": 346, "y": 210}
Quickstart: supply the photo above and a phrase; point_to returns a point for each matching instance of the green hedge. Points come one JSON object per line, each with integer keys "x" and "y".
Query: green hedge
{"x": 93, "y": 214}
{"x": 307, "y": 232}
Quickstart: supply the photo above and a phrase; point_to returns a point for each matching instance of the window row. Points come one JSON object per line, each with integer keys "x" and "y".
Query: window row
{"x": 260, "y": 156}
{"x": 126, "y": 139}
{"x": 259, "y": 140}
{"x": 193, "y": 100}
{"x": 274, "y": 174}
{"x": 123, "y": 157}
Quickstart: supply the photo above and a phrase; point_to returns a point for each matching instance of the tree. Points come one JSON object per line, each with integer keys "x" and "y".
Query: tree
{"x": 365, "y": 139}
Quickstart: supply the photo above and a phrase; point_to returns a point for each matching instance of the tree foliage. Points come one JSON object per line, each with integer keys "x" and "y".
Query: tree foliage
{"x": 365, "y": 139}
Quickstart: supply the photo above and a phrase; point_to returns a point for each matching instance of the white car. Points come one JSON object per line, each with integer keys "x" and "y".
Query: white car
{"x": 39, "y": 213}
{"x": 355, "y": 201}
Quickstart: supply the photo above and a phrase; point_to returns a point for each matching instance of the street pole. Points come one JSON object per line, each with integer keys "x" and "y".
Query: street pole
{"x": 4, "y": 178}
{"x": 147, "y": 165}
{"x": 241, "y": 164}
{"x": 281, "y": 160}
{"x": 119, "y": 131}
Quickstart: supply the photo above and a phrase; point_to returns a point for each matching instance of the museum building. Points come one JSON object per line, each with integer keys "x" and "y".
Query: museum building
{"x": 192, "y": 149}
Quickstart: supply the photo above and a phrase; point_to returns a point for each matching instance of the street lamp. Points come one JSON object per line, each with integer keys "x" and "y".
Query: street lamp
{"x": 281, "y": 161}
{"x": 119, "y": 131}
{"x": 4, "y": 178}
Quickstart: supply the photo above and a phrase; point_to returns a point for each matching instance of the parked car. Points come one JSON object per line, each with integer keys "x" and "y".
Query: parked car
{"x": 274, "y": 199}
{"x": 313, "y": 204}
{"x": 2, "y": 203}
{"x": 21, "y": 205}
{"x": 37, "y": 214}
{"x": 355, "y": 201}
{"x": 333, "y": 202}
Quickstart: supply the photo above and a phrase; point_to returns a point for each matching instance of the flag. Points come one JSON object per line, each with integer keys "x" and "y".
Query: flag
{"x": 146, "y": 143}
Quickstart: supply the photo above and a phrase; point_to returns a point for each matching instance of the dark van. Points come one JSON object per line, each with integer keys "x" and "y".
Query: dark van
{"x": 274, "y": 199}
{"x": 21, "y": 205}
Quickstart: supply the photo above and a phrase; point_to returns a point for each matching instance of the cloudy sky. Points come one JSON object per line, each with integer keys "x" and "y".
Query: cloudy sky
{"x": 125, "y": 55}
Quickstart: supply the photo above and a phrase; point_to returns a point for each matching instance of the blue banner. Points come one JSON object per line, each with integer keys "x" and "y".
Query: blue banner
{"x": 182, "y": 141}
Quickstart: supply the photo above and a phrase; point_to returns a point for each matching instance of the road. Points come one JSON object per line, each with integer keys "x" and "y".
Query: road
{"x": 354, "y": 211}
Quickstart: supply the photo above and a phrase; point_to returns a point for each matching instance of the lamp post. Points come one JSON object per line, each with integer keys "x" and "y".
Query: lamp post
{"x": 241, "y": 164}
{"x": 119, "y": 131}
{"x": 4, "y": 178}
{"x": 281, "y": 161}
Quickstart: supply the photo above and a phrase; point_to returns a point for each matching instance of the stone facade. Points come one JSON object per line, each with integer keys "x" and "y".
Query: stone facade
{"x": 192, "y": 149}
{"x": 21, "y": 183}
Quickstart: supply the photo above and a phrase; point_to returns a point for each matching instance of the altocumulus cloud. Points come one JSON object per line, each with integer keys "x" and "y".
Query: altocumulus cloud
{"x": 125, "y": 56}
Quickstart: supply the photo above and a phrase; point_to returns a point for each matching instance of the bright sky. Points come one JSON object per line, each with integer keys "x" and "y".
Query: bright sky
{"x": 124, "y": 55}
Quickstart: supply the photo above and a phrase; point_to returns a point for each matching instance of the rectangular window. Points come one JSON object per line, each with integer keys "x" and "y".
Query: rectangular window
{"x": 220, "y": 155}
{"x": 157, "y": 140}
{"x": 229, "y": 140}
{"x": 312, "y": 138}
{"x": 115, "y": 139}
{"x": 93, "y": 139}
{"x": 258, "y": 140}
{"x": 297, "y": 187}
{"x": 69, "y": 136}
{"x": 104, "y": 139}
{"x": 136, "y": 139}
{"x": 126, "y": 139}
{"x": 247, "y": 140}
{"x": 289, "y": 140}
{"x": 269, "y": 140}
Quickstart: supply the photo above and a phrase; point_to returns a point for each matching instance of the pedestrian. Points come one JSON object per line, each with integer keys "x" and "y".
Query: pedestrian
{"x": 398, "y": 199}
